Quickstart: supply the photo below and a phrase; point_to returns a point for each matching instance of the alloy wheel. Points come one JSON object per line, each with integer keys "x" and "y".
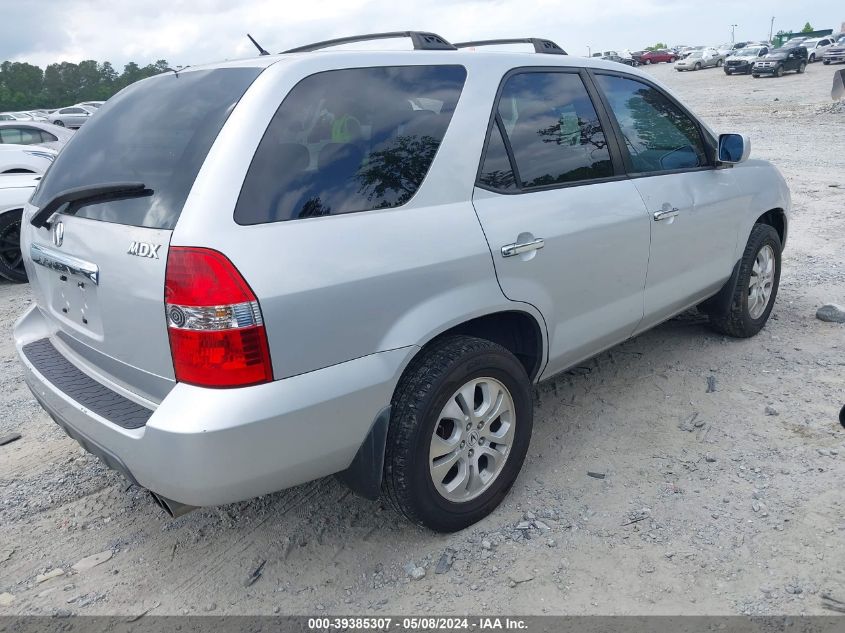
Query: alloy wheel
{"x": 472, "y": 439}
{"x": 761, "y": 282}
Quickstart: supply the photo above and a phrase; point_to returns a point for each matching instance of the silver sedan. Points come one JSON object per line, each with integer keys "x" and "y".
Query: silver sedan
{"x": 74, "y": 116}
{"x": 700, "y": 59}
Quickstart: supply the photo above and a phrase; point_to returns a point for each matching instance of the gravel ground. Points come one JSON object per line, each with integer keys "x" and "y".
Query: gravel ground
{"x": 711, "y": 503}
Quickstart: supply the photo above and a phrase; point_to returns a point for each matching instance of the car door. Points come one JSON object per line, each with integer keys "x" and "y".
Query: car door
{"x": 695, "y": 208}
{"x": 567, "y": 229}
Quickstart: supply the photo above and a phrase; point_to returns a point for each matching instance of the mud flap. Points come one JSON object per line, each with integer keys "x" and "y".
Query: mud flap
{"x": 363, "y": 476}
{"x": 721, "y": 301}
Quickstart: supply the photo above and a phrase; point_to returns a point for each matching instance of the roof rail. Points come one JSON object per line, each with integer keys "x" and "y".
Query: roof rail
{"x": 420, "y": 39}
{"x": 540, "y": 45}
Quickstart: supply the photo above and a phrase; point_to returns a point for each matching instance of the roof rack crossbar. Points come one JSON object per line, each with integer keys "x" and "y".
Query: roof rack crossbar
{"x": 541, "y": 45}
{"x": 420, "y": 39}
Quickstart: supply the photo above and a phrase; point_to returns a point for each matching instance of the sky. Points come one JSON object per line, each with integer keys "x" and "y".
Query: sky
{"x": 191, "y": 32}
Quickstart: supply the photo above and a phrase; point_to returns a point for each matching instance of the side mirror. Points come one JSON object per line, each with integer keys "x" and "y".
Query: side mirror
{"x": 733, "y": 148}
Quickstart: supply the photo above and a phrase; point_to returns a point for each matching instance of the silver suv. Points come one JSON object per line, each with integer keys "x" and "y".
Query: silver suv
{"x": 257, "y": 273}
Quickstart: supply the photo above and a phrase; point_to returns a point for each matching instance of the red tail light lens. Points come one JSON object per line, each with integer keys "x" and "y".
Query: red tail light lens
{"x": 217, "y": 335}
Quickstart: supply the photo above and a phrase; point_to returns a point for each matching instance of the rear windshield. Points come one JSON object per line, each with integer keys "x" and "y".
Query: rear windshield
{"x": 350, "y": 140}
{"x": 158, "y": 132}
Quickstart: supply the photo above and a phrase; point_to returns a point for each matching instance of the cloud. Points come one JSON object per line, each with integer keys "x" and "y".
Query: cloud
{"x": 199, "y": 31}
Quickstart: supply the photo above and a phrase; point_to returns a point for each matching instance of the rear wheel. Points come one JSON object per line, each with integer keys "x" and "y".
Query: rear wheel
{"x": 648, "y": 62}
{"x": 756, "y": 286}
{"x": 11, "y": 261}
{"x": 59, "y": 122}
{"x": 460, "y": 427}
{"x": 697, "y": 66}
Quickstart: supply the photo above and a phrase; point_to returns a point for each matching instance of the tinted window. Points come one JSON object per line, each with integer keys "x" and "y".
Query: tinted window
{"x": 20, "y": 135}
{"x": 46, "y": 137}
{"x": 658, "y": 135}
{"x": 496, "y": 172}
{"x": 157, "y": 131}
{"x": 553, "y": 129}
{"x": 350, "y": 140}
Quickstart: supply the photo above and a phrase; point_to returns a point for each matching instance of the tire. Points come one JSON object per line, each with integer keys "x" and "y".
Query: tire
{"x": 719, "y": 63}
{"x": 755, "y": 76}
{"x": 737, "y": 320}
{"x": 779, "y": 71}
{"x": 826, "y": 62}
{"x": 11, "y": 262}
{"x": 59, "y": 122}
{"x": 802, "y": 67}
{"x": 430, "y": 384}
{"x": 697, "y": 66}
{"x": 648, "y": 62}
{"x": 812, "y": 58}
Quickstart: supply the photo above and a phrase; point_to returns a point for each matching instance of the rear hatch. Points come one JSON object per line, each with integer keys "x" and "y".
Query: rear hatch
{"x": 98, "y": 269}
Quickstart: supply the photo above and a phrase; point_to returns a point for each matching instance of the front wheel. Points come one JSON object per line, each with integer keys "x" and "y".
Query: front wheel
{"x": 460, "y": 426}
{"x": 779, "y": 71}
{"x": 812, "y": 58}
{"x": 802, "y": 68}
{"x": 11, "y": 261}
{"x": 648, "y": 62}
{"x": 825, "y": 62}
{"x": 756, "y": 286}
{"x": 697, "y": 67}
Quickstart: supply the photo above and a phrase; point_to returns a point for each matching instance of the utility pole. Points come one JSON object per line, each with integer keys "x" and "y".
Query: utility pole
{"x": 589, "y": 51}
{"x": 771, "y": 29}
{"x": 733, "y": 27}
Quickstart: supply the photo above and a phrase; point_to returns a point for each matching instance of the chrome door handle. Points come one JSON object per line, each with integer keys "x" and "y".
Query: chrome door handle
{"x": 666, "y": 214}
{"x": 509, "y": 250}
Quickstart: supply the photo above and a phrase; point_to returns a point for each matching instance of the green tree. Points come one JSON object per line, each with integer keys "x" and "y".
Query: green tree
{"x": 24, "y": 86}
{"x": 807, "y": 28}
{"x": 657, "y": 47}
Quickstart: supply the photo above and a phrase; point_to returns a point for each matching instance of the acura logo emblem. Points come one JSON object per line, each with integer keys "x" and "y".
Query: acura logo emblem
{"x": 58, "y": 233}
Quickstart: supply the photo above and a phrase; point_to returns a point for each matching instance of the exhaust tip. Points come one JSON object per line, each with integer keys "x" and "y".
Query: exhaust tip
{"x": 173, "y": 508}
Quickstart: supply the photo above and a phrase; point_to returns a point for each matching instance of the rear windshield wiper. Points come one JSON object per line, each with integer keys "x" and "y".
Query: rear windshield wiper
{"x": 89, "y": 194}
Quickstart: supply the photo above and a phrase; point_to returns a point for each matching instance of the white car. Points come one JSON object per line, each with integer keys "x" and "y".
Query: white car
{"x": 817, "y": 47}
{"x": 25, "y": 159}
{"x": 36, "y": 133}
{"x": 15, "y": 191}
{"x": 15, "y": 116}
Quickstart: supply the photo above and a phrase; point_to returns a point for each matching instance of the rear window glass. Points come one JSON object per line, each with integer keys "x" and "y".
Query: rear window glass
{"x": 158, "y": 132}
{"x": 350, "y": 140}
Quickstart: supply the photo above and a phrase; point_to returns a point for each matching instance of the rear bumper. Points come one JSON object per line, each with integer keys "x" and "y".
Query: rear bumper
{"x": 213, "y": 446}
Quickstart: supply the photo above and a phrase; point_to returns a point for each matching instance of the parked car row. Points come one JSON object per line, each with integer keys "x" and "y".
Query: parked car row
{"x": 71, "y": 117}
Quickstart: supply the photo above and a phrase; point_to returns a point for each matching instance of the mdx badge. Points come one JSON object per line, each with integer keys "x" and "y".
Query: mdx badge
{"x": 58, "y": 233}
{"x": 144, "y": 249}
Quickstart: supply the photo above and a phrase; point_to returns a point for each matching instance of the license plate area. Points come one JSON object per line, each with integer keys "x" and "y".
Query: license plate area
{"x": 71, "y": 286}
{"x": 74, "y": 301}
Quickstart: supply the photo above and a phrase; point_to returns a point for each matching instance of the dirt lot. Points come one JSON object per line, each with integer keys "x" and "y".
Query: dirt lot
{"x": 739, "y": 509}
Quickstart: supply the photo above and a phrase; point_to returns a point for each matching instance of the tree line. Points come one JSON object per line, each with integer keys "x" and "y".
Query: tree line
{"x": 24, "y": 86}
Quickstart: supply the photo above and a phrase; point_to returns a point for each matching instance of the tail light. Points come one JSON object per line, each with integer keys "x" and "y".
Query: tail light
{"x": 217, "y": 335}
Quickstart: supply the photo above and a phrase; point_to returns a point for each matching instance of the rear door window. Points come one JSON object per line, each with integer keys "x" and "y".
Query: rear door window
{"x": 350, "y": 140}
{"x": 158, "y": 132}
{"x": 553, "y": 130}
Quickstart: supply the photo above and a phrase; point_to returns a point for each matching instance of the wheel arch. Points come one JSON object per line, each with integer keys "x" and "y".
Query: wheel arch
{"x": 777, "y": 219}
